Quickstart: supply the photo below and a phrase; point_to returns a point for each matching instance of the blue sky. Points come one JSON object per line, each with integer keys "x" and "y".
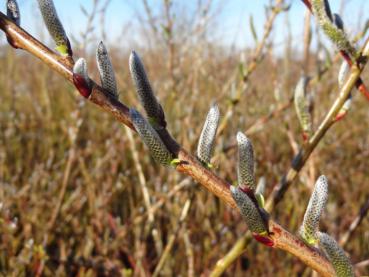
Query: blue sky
{"x": 233, "y": 18}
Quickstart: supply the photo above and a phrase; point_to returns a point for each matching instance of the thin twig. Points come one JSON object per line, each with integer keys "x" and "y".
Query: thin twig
{"x": 355, "y": 223}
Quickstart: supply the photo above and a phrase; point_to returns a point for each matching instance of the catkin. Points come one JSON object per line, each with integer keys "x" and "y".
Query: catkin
{"x": 249, "y": 211}
{"x": 336, "y": 256}
{"x": 106, "y": 71}
{"x": 205, "y": 146}
{"x": 54, "y": 26}
{"x": 316, "y": 206}
{"x": 150, "y": 137}
{"x": 145, "y": 93}
{"x": 245, "y": 169}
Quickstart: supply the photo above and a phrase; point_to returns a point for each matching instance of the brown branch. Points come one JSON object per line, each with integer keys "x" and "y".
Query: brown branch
{"x": 299, "y": 160}
{"x": 280, "y": 238}
{"x": 359, "y": 82}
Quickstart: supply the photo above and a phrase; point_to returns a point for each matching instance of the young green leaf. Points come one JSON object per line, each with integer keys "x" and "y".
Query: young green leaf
{"x": 106, "y": 70}
{"x": 253, "y": 30}
{"x": 317, "y": 203}
{"x": 55, "y": 27}
{"x": 250, "y": 213}
{"x": 150, "y": 137}
{"x": 336, "y": 255}
{"x": 145, "y": 93}
{"x": 245, "y": 169}
{"x": 260, "y": 191}
{"x": 12, "y": 11}
{"x": 205, "y": 146}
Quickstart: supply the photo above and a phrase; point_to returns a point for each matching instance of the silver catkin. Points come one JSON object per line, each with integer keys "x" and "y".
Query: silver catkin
{"x": 80, "y": 68}
{"x": 302, "y": 106}
{"x": 249, "y": 211}
{"x": 145, "y": 92}
{"x": 340, "y": 262}
{"x": 150, "y": 137}
{"x": 316, "y": 206}
{"x": 334, "y": 33}
{"x": 106, "y": 71}
{"x": 12, "y": 11}
{"x": 205, "y": 146}
{"x": 245, "y": 169}
{"x": 54, "y": 26}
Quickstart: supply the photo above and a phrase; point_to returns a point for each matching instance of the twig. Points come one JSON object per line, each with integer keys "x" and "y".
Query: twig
{"x": 359, "y": 82}
{"x": 172, "y": 238}
{"x": 256, "y": 60}
{"x": 145, "y": 191}
{"x": 300, "y": 159}
{"x": 183, "y": 184}
{"x": 355, "y": 223}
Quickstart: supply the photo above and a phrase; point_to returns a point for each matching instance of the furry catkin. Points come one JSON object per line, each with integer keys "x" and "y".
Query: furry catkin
{"x": 249, "y": 211}
{"x": 106, "y": 71}
{"x": 336, "y": 255}
{"x": 245, "y": 169}
{"x": 12, "y": 11}
{"x": 145, "y": 93}
{"x": 205, "y": 146}
{"x": 150, "y": 137}
{"x": 316, "y": 206}
{"x": 55, "y": 26}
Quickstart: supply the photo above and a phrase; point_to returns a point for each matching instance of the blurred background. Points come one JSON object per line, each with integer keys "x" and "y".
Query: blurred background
{"x": 80, "y": 194}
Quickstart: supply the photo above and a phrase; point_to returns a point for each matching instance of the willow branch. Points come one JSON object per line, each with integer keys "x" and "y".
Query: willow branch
{"x": 359, "y": 82}
{"x": 329, "y": 120}
{"x": 279, "y": 237}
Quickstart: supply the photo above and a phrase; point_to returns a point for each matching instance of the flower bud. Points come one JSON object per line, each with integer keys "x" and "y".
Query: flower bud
{"x": 250, "y": 213}
{"x": 302, "y": 107}
{"x": 245, "y": 169}
{"x": 317, "y": 203}
{"x": 81, "y": 79}
{"x": 205, "y": 147}
{"x": 12, "y": 11}
{"x": 145, "y": 93}
{"x": 55, "y": 27}
{"x": 106, "y": 71}
{"x": 150, "y": 137}
{"x": 333, "y": 31}
{"x": 336, "y": 255}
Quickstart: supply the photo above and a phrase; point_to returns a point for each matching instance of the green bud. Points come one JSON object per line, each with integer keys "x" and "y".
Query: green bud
{"x": 336, "y": 255}
{"x": 150, "y": 137}
{"x": 316, "y": 206}
{"x": 205, "y": 147}
{"x": 250, "y": 213}
{"x": 106, "y": 71}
